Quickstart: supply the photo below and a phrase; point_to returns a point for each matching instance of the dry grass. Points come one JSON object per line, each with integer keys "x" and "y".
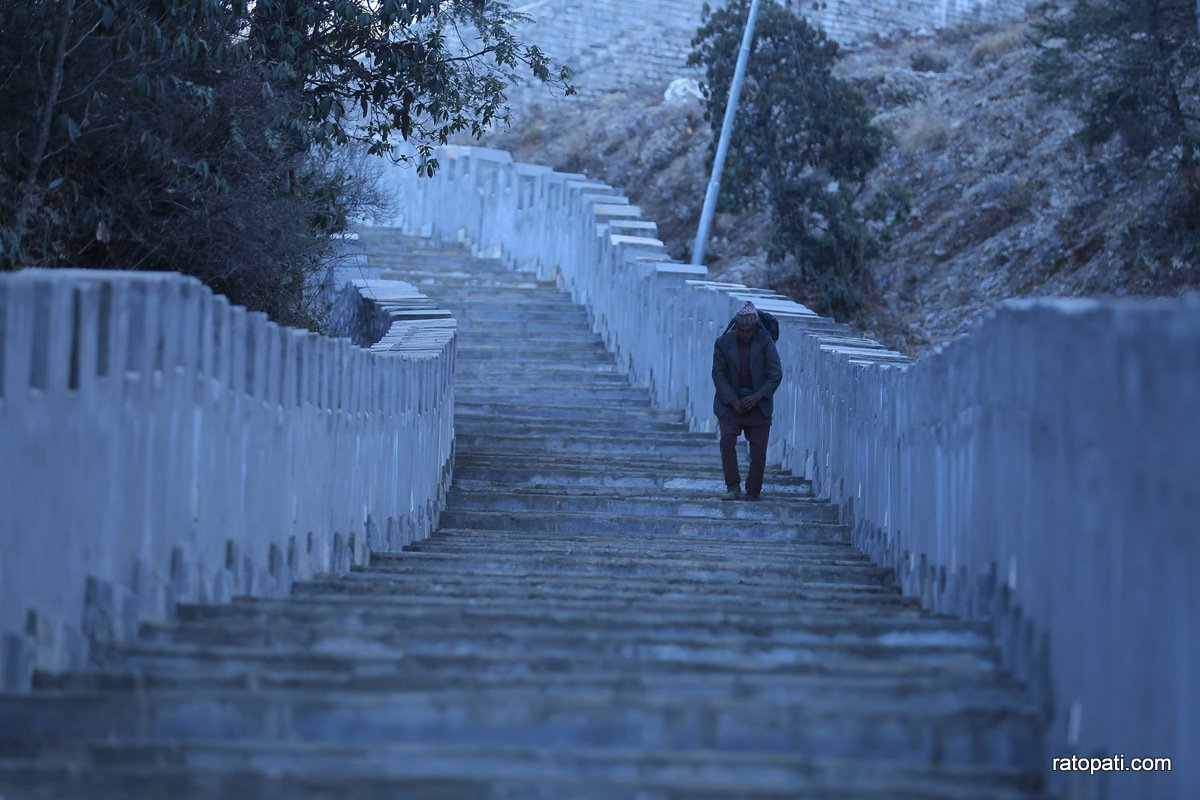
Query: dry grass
{"x": 927, "y": 128}
{"x": 930, "y": 60}
{"x": 998, "y": 44}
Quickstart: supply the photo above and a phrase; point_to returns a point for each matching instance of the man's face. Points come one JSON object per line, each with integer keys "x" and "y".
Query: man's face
{"x": 745, "y": 331}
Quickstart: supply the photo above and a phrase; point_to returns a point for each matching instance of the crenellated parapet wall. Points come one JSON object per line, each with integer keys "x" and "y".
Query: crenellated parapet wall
{"x": 158, "y": 446}
{"x": 1040, "y": 473}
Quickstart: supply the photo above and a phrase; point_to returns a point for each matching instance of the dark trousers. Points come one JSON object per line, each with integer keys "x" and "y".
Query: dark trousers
{"x": 757, "y": 429}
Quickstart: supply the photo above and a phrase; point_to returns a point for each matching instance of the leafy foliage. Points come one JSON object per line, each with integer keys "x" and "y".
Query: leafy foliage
{"x": 1132, "y": 69}
{"x": 220, "y": 137}
{"x": 420, "y": 68}
{"x": 1129, "y": 65}
{"x": 802, "y": 146}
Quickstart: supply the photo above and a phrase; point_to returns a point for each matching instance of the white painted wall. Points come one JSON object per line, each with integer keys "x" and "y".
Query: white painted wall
{"x": 1041, "y": 472}
{"x": 158, "y": 445}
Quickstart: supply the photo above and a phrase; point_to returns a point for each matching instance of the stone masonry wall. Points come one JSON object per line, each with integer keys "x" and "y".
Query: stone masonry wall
{"x": 615, "y": 44}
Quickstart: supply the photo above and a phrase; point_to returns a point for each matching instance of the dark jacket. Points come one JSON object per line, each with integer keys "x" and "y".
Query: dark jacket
{"x": 765, "y": 370}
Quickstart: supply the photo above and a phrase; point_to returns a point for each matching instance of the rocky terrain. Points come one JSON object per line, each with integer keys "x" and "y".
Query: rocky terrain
{"x": 1004, "y": 199}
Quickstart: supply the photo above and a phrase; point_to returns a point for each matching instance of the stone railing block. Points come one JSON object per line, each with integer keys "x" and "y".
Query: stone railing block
{"x": 158, "y": 445}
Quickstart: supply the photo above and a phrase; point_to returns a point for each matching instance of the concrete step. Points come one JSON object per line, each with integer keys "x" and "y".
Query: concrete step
{"x": 519, "y": 423}
{"x": 925, "y": 645}
{"x": 602, "y": 372}
{"x": 561, "y": 441}
{"x": 936, "y": 688}
{"x": 175, "y": 663}
{"x": 531, "y": 351}
{"x": 682, "y": 464}
{"x": 709, "y": 550}
{"x": 679, "y": 491}
{"x": 623, "y": 550}
{"x": 471, "y": 337}
{"x": 556, "y": 522}
{"x": 510, "y": 301}
{"x": 557, "y": 394}
{"x": 526, "y": 327}
{"x": 532, "y": 324}
{"x": 556, "y": 307}
{"x": 386, "y": 771}
{"x": 864, "y": 619}
{"x": 518, "y": 363}
{"x": 550, "y": 406}
{"x": 558, "y": 405}
{"x": 695, "y": 462}
{"x": 456, "y": 278}
{"x": 535, "y": 586}
{"x": 449, "y": 273}
{"x": 470, "y": 476}
{"x": 528, "y": 323}
{"x": 645, "y": 505}
{"x": 617, "y": 569}
{"x": 500, "y": 374}
{"x": 321, "y": 627}
{"x": 457, "y": 288}
{"x": 975, "y": 732}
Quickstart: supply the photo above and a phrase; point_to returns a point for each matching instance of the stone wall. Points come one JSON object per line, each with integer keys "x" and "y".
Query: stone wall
{"x": 852, "y": 22}
{"x": 158, "y": 445}
{"x": 614, "y": 44}
{"x": 1039, "y": 473}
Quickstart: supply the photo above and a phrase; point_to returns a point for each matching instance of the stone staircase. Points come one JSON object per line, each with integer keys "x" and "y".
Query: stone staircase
{"x": 588, "y": 622}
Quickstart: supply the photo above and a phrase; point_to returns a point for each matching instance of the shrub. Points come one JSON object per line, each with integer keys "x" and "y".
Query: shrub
{"x": 997, "y": 45}
{"x": 926, "y": 129}
{"x": 927, "y": 60}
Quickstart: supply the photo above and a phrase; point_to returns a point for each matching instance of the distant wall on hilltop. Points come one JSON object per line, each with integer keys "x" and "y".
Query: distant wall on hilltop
{"x": 616, "y": 44}
{"x": 852, "y": 22}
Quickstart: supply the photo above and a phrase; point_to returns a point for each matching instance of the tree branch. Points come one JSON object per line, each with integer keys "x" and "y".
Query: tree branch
{"x": 28, "y": 190}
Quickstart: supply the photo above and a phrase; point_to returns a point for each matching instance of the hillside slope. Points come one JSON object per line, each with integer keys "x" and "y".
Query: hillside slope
{"x": 1005, "y": 202}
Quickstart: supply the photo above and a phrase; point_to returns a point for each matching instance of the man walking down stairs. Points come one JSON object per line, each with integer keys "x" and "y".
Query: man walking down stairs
{"x": 589, "y": 621}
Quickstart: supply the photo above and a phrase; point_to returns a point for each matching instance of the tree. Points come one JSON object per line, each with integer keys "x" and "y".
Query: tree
{"x": 213, "y": 136}
{"x": 1130, "y": 68}
{"x": 802, "y": 146}
{"x": 420, "y": 68}
{"x": 1128, "y": 65}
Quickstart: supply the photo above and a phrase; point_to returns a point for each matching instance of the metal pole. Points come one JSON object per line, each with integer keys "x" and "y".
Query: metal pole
{"x": 714, "y": 183}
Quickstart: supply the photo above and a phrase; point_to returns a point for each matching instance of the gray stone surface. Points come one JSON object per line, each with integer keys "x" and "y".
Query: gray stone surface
{"x": 559, "y": 636}
{"x": 159, "y": 446}
{"x": 621, "y": 44}
{"x": 1038, "y": 474}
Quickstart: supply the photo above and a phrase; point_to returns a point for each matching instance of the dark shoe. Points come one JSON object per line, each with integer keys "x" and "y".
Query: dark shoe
{"x": 751, "y": 497}
{"x": 734, "y": 493}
